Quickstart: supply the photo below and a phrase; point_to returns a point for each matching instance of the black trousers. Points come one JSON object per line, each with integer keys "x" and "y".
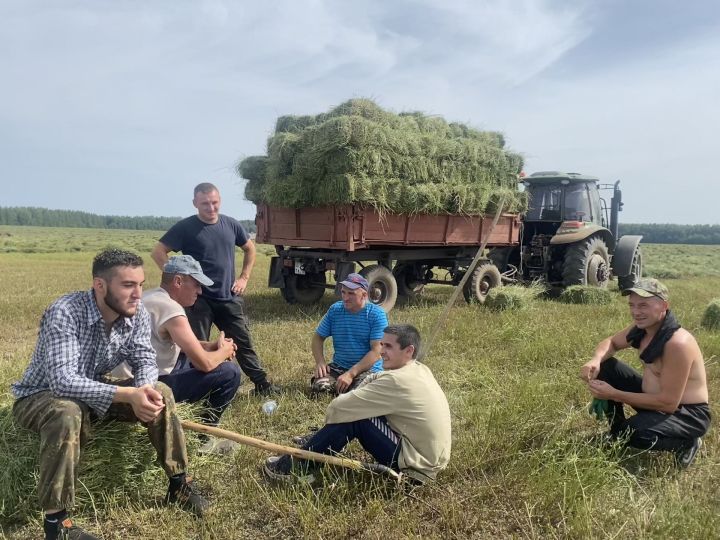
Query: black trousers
{"x": 651, "y": 429}
{"x": 229, "y": 316}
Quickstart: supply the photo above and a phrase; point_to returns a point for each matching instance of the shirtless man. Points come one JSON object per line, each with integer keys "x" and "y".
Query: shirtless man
{"x": 671, "y": 396}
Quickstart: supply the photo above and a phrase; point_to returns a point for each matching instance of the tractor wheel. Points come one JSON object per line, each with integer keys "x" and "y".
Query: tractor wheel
{"x": 408, "y": 285}
{"x": 587, "y": 263}
{"x": 484, "y": 277}
{"x": 636, "y": 270}
{"x": 304, "y": 289}
{"x": 382, "y": 287}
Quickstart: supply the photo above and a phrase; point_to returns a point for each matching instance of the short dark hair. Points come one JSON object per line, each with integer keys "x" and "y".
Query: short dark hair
{"x": 205, "y": 187}
{"x": 406, "y": 335}
{"x": 105, "y": 262}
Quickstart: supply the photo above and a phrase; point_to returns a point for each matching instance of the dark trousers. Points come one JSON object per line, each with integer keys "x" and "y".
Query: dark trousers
{"x": 229, "y": 316}
{"x": 216, "y": 388}
{"x": 374, "y": 435}
{"x": 651, "y": 429}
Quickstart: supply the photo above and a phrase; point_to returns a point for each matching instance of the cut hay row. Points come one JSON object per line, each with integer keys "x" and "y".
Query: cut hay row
{"x": 711, "y": 317}
{"x": 359, "y": 153}
{"x": 513, "y": 297}
{"x": 586, "y": 294}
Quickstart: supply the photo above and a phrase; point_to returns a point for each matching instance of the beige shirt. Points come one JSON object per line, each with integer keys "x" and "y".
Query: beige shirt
{"x": 415, "y": 407}
{"x": 162, "y": 308}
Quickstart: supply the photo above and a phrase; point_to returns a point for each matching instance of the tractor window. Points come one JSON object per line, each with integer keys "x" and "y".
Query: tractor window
{"x": 545, "y": 203}
{"x": 577, "y": 203}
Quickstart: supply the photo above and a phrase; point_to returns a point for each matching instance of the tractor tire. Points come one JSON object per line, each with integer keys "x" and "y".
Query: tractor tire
{"x": 483, "y": 278}
{"x": 408, "y": 286}
{"x": 587, "y": 263}
{"x": 382, "y": 287}
{"x": 627, "y": 282}
{"x": 304, "y": 289}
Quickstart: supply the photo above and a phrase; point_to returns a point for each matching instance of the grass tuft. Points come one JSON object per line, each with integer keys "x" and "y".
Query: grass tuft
{"x": 711, "y": 317}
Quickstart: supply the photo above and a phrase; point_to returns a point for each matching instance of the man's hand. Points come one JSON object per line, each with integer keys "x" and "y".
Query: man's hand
{"x": 147, "y": 403}
{"x": 226, "y": 345}
{"x": 321, "y": 370}
{"x": 601, "y": 389}
{"x": 590, "y": 371}
{"x": 240, "y": 285}
{"x": 344, "y": 382}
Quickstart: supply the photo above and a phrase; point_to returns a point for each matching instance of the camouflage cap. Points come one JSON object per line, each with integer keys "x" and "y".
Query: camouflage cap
{"x": 647, "y": 287}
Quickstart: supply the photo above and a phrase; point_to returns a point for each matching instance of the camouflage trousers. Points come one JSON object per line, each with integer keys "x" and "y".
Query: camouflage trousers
{"x": 64, "y": 425}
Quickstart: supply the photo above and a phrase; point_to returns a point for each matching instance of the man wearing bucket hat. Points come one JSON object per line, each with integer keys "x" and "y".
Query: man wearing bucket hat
{"x": 356, "y": 327}
{"x": 196, "y": 371}
{"x": 671, "y": 395}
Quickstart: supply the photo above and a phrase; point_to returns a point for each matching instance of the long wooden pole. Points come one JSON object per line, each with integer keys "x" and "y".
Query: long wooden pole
{"x": 289, "y": 450}
{"x": 425, "y": 349}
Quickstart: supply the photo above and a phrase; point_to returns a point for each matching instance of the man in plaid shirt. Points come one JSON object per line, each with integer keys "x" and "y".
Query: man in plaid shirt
{"x": 84, "y": 335}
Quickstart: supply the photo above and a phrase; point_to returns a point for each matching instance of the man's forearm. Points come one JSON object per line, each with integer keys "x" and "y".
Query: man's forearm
{"x": 318, "y": 349}
{"x": 365, "y": 363}
{"x": 248, "y": 261}
{"x": 160, "y": 255}
{"x": 642, "y": 400}
{"x": 604, "y": 350}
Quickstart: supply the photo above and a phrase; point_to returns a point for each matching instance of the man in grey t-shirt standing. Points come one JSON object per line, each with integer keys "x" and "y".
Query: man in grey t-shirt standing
{"x": 211, "y": 237}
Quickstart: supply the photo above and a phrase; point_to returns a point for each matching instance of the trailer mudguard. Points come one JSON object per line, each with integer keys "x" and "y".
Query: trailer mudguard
{"x": 624, "y": 252}
{"x": 275, "y": 279}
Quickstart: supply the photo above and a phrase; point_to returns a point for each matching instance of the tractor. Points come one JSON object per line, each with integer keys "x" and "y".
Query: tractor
{"x": 570, "y": 235}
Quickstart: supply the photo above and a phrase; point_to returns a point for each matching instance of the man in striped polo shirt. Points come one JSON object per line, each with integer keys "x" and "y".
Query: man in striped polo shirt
{"x": 356, "y": 327}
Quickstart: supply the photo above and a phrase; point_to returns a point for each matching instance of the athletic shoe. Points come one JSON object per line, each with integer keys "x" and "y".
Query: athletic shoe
{"x": 302, "y": 440}
{"x": 68, "y": 531}
{"x": 266, "y": 389}
{"x": 280, "y": 469}
{"x": 187, "y": 497}
{"x": 218, "y": 447}
{"x": 687, "y": 456}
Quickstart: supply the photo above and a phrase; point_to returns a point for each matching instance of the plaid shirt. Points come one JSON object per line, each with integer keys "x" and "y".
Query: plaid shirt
{"x": 74, "y": 351}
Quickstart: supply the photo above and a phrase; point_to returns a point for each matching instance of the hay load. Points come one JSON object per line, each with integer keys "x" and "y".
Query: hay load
{"x": 711, "y": 317}
{"x": 359, "y": 153}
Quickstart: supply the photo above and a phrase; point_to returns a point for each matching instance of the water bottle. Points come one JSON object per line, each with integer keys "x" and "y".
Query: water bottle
{"x": 269, "y": 406}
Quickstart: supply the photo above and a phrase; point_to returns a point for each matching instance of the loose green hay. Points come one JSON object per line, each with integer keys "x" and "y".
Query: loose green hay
{"x": 512, "y": 297}
{"x": 117, "y": 465}
{"x": 586, "y": 294}
{"x": 711, "y": 317}
{"x": 359, "y": 153}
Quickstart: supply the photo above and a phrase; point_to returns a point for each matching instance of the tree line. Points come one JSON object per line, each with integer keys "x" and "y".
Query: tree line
{"x": 43, "y": 217}
{"x": 668, "y": 233}
{"x": 653, "y": 233}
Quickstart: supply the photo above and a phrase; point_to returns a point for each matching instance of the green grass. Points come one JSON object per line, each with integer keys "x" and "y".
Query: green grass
{"x": 526, "y": 462}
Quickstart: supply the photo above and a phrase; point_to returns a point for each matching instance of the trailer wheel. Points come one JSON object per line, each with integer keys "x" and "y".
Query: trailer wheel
{"x": 383, "y": 288}
{"x": 636, "y": 270}
{"x": 408, "y": 284}
{"x": 304, "y": 289}
{"x": 484, "y": 277}
{"x": 587, "y": 263}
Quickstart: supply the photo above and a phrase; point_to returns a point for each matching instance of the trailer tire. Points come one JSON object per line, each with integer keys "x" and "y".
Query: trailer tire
{"x": 382, "y": 286}
{"x": 408, "y": 285}
{"x": 485, "y": 277}
{"x": 304, "y": 289}
{"x": 636, "y": 270}
{"x": 587, "y": 263}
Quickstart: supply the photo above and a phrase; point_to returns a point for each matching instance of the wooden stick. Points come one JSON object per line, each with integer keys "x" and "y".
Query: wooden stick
{"x": 289, "y": 450}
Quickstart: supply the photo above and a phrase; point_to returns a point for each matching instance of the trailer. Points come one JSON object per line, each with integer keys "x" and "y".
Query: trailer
{"x": 397, "y": 253}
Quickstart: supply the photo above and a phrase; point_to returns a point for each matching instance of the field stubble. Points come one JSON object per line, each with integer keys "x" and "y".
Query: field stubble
{"x": 526, "y": 460}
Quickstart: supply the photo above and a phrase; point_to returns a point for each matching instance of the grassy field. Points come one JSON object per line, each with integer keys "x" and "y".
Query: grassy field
{"x": 526, "y": 461}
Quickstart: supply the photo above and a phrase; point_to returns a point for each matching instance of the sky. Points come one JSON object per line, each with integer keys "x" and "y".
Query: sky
{"x": 121, "y": 108}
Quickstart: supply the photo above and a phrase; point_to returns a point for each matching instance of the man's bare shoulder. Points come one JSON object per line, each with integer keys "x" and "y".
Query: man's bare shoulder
{"x": 682, "y": 340}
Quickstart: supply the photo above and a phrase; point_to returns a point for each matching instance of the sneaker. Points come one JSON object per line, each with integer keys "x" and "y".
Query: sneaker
{"x": 68, "y": 531}
{"x": 322, "y": 386}
{"x": 266, "y": 389}
{"x": 187, "y": 497}
{"x": 218, "y": 447}
{"x": 302, "y": 440}
{"x": 280, "y": 469}
{"x": 687, "y": 456}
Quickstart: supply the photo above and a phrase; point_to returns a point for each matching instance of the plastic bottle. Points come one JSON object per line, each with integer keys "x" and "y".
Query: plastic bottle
{"x": 269, "y": 406}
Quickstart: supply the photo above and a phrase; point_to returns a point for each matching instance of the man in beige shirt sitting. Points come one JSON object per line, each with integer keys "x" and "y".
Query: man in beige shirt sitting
{"x": 400, "y": 415}
{"x": 671, "y": 395}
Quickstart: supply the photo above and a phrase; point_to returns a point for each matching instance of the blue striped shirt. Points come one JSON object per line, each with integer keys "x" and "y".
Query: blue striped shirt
{"x": 352, "y": 333}
{"x": 74, "y": 351}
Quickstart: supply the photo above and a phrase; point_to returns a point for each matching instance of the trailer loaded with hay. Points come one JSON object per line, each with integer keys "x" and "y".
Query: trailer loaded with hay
{"x": 405, "y": 199}
{"x": 409, "y": 198}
